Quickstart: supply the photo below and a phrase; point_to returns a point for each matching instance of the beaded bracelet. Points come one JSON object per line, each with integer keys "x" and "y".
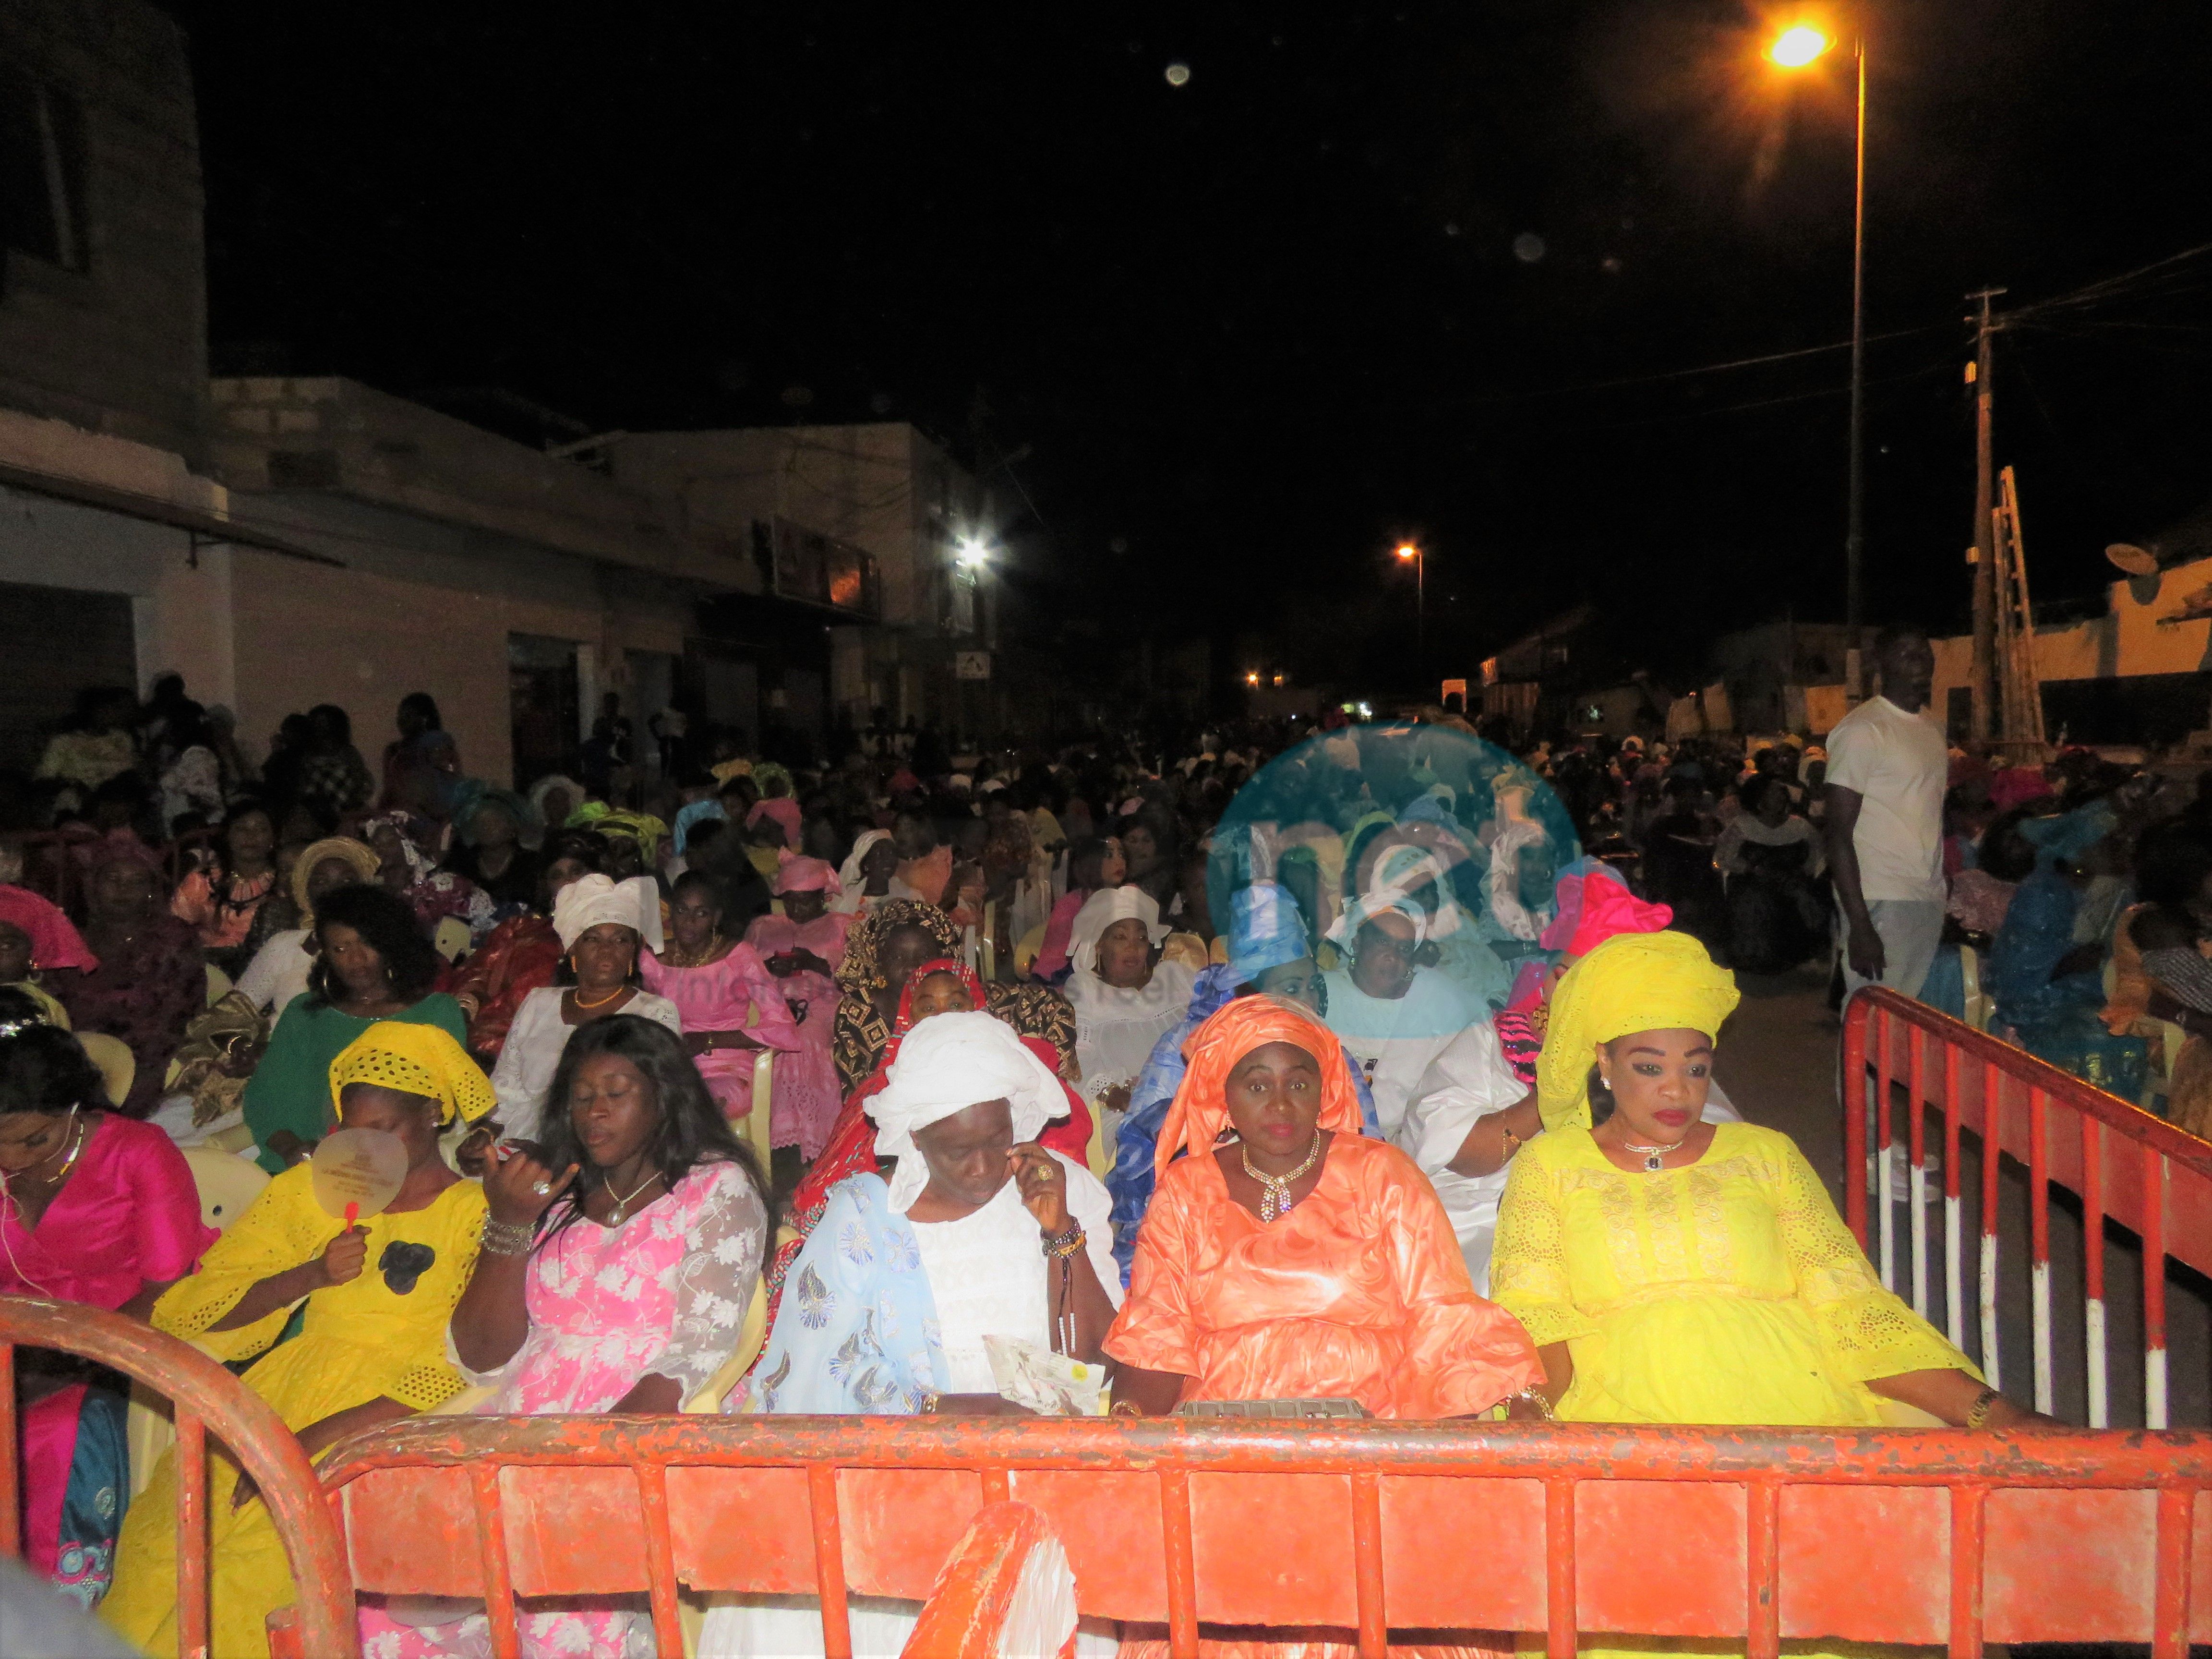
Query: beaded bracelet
{"x": 1067, "y": 1244}
{"x": 507, "y": 1237}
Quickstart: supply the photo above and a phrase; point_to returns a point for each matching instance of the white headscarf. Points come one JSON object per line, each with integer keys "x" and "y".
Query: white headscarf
{"x": 946, "y": 1064}
{"x": 588, "y": 901}
{"x": 1100, "y": 911}
{"x": 1368, "y": 906}
{"x": 1502, "y": 884}
{"x": 851, "y": 883}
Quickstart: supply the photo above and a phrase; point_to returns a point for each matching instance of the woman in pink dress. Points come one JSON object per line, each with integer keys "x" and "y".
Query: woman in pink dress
{"x": 617, "y": 1267}
{"x": 802, "y": 948}
{"x": 98, "y": 1209}
{"x": 731, "y": 1004}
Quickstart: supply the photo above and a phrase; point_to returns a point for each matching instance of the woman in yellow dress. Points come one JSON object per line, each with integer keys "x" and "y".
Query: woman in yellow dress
{"x": 1672, "y": 1270}
{"x": 372, "y": 1348}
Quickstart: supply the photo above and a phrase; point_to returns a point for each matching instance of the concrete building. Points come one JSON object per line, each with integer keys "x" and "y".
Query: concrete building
{"x": 285, "y": 542}
{"x": 2139, "y": 673}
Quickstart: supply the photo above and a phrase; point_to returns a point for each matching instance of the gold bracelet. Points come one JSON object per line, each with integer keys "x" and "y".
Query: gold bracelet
{"x": 1536, "y": 1397}
{"x": 1124, "y": 1408}
{"x": 1977, "y": 1415}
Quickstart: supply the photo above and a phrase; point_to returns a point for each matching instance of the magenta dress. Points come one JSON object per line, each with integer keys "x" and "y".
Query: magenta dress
{"x": 667, "y": 1293}
{"x": 129, "y": 1212}
{"x": 737, "y": 993}
{"x": 807, "y": 1097}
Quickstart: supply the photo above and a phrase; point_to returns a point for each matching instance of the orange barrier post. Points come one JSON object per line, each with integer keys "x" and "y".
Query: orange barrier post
{"x": 1763, "y": 1536}
{"x": 2125, "y": 1165}
{"x": 208, "y": 1399}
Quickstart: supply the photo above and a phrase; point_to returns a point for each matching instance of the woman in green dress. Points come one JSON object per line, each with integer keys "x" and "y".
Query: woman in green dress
{"x": 372, "y": 963}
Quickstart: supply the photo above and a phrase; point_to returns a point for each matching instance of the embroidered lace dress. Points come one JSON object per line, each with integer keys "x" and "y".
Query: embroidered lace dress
{"x": 1729, "y": 1291}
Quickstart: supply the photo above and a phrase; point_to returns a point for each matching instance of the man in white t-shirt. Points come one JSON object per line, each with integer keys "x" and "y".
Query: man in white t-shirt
{"x": 1888, "y": 769}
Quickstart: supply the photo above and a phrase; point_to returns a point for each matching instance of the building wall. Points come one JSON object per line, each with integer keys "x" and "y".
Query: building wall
{"x": 119, "y": 345}
{"x": 2133, "y": 639}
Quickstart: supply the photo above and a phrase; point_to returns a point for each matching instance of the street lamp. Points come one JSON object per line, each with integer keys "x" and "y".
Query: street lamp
{"x": 1420, "y": 558}
{"x": 1796, "y": 48}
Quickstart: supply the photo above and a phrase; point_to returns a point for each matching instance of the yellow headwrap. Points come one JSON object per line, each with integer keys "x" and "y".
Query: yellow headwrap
{"x": 415, "y": 1060}
{"x": 1632, "y": 982}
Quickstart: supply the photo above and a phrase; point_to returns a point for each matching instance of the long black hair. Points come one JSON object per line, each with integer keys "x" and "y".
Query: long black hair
{"x": 43, "y": 1069}
{"x": 388, "y": 927}
{"x": 691, "y": 1130}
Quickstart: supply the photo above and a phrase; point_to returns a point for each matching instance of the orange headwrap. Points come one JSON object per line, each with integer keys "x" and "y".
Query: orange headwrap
{"x": 1200, "y": 1110}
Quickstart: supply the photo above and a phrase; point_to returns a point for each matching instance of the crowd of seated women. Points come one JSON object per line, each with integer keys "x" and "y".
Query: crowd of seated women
{"x": 1449, "y": 1149}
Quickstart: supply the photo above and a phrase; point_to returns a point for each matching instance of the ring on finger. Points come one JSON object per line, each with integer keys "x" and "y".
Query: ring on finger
{"x": 541, "y": 1187}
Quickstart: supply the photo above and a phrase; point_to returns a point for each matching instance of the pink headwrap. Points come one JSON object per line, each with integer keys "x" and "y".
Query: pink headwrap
{"x": 783, "y": 809}
{"x": 55, "y": 942}
{"x": 1595, "y": 905}
{"x": 795, "y": 874}
{"x": 2016, "y": 786}
{"x": 123, "y": 846}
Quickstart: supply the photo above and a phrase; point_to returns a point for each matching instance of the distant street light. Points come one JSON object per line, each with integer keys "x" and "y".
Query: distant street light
{"x": 1796, "y": 48}
{"x": 1420, "y": 558}
{"x": 1252, "y": 677}
{"x": 971, "y": 553}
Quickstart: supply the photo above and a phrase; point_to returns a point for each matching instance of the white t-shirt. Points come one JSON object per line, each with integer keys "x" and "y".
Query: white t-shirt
{"x": 1898, "y": 765}
{"x": 1392, "y": 1040}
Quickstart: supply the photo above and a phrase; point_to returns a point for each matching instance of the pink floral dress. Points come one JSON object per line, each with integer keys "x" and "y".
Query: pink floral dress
{"x": 807, "y": 1097}
{"x": 735, "y": 993}
{"x": 665, "y": 1293}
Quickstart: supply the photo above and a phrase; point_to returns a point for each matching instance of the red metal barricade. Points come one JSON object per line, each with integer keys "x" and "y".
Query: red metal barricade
{"x": 1938, "y": 1537}
{"x": 209, "y": 1402}
{"x": 2125, "y": 1164}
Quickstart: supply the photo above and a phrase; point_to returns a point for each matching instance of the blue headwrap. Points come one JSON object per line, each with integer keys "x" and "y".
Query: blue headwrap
{"x": 2062, "y": 839}
{"x": 697, "y": 810}
{"x": 1266, "y": 930}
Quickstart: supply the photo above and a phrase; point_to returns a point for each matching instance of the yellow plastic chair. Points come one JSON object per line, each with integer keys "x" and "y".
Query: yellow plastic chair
{"x": 227, "y": 1184}
{"x": 450, "y": 939}
{"x": 758, "y": 1127}
{"x": 119, "y": 1068}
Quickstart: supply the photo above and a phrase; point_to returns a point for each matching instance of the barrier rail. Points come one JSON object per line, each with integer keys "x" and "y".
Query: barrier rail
{"x": 209, "y": 1401}
{"x": 2125, "y": 1165}
{"x": 1757, "y": 1535}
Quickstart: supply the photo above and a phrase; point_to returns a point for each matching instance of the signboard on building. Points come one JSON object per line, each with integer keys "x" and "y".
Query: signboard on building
{"x": 971, "y": 664}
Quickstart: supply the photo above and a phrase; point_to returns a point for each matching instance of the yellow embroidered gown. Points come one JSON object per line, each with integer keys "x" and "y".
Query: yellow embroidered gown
{"x": 360, "y": 1341}
{"x": 1726, "y": 1291}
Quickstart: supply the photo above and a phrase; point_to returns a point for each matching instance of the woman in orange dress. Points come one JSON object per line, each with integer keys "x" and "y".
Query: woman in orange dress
{"x": 1300, "y": 1260}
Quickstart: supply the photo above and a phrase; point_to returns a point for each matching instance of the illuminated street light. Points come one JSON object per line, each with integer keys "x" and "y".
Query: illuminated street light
{"x": 1794, "y": 48}
{"x": 971, "y": 553}
{"x": 1252, "y": 677}
{"x": 1417, "y": 555}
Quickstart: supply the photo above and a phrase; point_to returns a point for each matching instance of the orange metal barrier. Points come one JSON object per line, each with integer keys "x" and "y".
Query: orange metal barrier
{"x": 2125, "y": 1164}
{"x": 1759, "y": 1536}
{"x": 208, "y": 1400}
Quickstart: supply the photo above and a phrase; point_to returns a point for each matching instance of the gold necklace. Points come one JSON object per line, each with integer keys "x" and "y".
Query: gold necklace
{"x": 1275, "y": 1190}
{"x": 615, "y": 1215}
{"x": 677, "y": 958}
{"x": 1655, "y": 1158}
{"x": 602, "y": 1002}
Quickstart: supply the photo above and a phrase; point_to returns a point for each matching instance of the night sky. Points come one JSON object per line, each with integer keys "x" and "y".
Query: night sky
{"x": 1357, "y": 278}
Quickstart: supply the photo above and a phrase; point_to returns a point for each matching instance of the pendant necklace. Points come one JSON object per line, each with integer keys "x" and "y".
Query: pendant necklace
{"x": 1655, "y": 1158}
{"x": 679, "y": 958}
{"x": 615, "y": 1215}
{"x": 1275, "y": 1190}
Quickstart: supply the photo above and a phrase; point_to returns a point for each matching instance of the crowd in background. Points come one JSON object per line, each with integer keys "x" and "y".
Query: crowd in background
{"x": 1362, "y": 1063}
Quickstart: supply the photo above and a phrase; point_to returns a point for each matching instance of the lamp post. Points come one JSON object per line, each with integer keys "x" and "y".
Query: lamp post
{"x": 1796, "y": 48}
{"x": 1420, "y": 561}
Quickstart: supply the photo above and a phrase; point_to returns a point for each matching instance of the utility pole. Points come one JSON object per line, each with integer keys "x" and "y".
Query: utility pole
{"x": 1985, "y": 591}
{"x": 1854, "y": 531}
